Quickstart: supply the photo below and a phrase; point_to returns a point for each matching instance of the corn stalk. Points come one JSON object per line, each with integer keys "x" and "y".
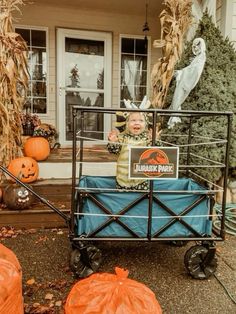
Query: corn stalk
{"x": 13, "y": 83}
{"x": 175, "y": 21}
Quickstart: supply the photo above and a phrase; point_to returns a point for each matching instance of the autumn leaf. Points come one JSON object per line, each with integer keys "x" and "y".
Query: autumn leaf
{"x": 41, "y": 239}
{"x": 58, "y": 303}
{"x": 30, "y": 281}
{"x": 48, "y": 296}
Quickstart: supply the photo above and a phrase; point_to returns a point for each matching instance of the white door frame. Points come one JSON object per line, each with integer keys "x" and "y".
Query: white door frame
{"x": 62, "y": 33}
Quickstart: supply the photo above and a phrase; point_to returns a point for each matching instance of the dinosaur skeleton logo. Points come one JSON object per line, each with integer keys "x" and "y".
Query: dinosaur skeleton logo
{"x": 154, "y": 162}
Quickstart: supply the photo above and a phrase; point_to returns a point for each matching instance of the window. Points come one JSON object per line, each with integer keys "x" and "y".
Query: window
{"x": 36, "y": 40}
{"x": 133, "y": 73}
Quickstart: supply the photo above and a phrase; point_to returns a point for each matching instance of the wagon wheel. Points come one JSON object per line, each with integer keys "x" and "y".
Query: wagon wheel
{"x": 84, "y": 263}
{"x": 77, "y": 266}
{"x": 200, "y": 261}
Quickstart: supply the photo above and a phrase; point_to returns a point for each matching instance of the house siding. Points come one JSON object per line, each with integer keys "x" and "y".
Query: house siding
{"x": 53, "y": 18}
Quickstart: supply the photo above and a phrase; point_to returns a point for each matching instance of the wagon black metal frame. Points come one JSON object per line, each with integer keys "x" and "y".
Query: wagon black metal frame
{"x": 202, "y": 256}
{"x": 200, "y": 260}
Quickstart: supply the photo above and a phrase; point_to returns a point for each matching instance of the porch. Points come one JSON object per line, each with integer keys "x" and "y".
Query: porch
{"x": 54, "y": 184}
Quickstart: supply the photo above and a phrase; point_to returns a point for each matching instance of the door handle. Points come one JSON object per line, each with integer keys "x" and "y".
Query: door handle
{"x": 61, "y": 88}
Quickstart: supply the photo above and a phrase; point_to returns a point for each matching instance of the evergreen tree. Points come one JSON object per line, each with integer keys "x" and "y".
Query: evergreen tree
{"x": 74, "y": 77}
{"x": 215, "y": 91}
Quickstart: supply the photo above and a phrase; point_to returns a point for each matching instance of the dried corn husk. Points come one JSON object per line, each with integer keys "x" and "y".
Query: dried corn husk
{"x": 13, "y": 82}
{"x": 175, "y": 20}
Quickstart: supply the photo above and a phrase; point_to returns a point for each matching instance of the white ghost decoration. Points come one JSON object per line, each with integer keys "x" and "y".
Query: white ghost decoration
{"x": 188, "y": 77}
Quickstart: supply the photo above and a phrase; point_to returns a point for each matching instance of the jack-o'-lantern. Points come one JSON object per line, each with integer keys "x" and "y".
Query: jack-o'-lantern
{"x": 17, "y": 197}
{"x": 37, "y": 148}
{"x": 24, "y": 168}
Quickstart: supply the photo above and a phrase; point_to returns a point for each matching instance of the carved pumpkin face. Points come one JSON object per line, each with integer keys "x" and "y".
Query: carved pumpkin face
{"x": 24, "y": 168}
{"x": 17, "y": 197}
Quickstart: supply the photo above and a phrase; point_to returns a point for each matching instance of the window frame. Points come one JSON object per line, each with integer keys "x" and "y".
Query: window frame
{"x": 129, "y": 36}
{"x": 40, "y": 28}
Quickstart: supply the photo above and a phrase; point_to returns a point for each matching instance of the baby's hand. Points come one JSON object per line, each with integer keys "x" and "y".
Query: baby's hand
{"x": 113, "y": 136}
{"x": 158, "y": 134}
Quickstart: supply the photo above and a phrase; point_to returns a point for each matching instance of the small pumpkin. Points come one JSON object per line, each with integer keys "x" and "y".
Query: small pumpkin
{"x": 24, "y": 168}
{"x": 37, "y": 148}
{"x": 17, "y": 197}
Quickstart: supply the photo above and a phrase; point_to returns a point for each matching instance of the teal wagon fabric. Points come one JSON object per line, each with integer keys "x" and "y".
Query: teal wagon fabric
{"x": 177, "y": 195}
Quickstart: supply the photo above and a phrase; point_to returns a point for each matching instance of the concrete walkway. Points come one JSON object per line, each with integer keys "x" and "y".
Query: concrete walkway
{"x": 44, "y": 257}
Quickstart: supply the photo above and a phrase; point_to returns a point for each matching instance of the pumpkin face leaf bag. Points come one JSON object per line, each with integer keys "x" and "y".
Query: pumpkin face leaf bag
{"x": 104, "y": 293}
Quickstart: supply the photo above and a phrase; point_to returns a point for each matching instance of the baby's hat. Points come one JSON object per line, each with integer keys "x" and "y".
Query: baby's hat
{"x": 121, "y": 117}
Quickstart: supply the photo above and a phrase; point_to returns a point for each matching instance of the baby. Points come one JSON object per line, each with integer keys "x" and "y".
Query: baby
{"x": 135, "y": 134}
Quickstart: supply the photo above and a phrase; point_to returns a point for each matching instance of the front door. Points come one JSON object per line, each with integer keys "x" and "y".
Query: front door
{"x": 84, "y": 79}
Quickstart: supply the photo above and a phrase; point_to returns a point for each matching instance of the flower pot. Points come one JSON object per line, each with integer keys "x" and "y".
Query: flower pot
{"x": 28, "y": 130}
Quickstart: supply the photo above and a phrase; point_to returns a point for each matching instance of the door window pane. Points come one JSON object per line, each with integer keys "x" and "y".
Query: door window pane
{"x": 84, "y": 72}
{"x": 93, "y": 122}
{"x": 84, "y": 63}
{"x": 37, "y": 94}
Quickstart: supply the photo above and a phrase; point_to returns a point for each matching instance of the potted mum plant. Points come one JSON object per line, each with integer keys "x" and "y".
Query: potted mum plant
{"x": 48, "y": 131}
{"x": 29, "y": 122}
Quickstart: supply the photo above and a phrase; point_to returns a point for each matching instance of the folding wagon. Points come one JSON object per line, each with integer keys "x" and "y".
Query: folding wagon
{"x": 176, "y": 210}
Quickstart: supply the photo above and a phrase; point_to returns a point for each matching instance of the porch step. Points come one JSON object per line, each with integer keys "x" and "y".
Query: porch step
{"x": 54, "y": 184}
{"x": 39, "y": 215}
{"x": 96, "y": 161}
{"x": 32, "y": 218}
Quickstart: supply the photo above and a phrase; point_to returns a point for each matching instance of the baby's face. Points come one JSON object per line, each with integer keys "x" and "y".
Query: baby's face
{"x": 136, "y": 123}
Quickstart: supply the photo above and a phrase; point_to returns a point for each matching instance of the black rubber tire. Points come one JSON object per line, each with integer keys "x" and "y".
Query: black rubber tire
{"x": 79, "y": 267}
{"x": 76, "y": 265}
{"x": 194, "y": 259}
{"x": 95, "y": 257}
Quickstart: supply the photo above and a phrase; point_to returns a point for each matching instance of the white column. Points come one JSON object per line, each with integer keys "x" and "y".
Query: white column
{"x": 197, "y": 15}
{"x": 210, "y": 6}
{"x": 227, "y": 17}
{"x": 197, "y": 12}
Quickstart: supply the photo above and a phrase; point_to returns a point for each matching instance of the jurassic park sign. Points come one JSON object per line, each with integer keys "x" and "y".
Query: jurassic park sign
{"x": 153, "y": 162}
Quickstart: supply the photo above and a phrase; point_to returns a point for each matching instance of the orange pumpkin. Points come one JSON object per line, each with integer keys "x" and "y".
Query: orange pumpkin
{"x": 24, "y": 168}
{"x": 37, "y": 148}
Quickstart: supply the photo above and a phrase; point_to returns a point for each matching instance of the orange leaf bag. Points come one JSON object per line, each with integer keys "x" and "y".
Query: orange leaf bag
{"x": 111, "y": 294}
{"x": 11, "y": 301}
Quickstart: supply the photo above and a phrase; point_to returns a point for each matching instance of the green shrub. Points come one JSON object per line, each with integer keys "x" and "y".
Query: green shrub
{"x": 215, "y": 91}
